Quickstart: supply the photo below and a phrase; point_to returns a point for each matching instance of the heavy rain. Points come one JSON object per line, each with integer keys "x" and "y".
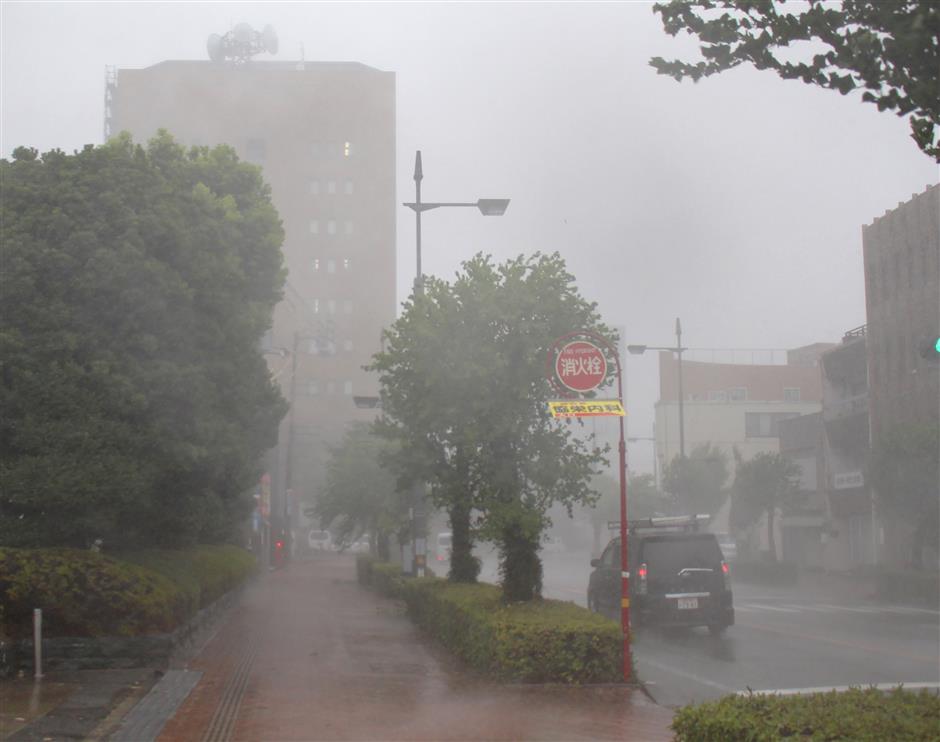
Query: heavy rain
{"x": 338, "y": 338}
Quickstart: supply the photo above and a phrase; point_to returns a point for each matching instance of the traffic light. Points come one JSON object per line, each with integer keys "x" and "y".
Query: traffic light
{"x": 930, "y": 348}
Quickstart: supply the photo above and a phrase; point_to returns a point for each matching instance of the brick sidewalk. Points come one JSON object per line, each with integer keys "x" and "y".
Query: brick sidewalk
{"x": 310, "y": 655}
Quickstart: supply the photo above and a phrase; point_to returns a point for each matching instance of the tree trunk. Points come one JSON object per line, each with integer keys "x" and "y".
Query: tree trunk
{"x": 519, "y": 567}
{"x": 464, "y": 567}
{"x": 771, "y": 541}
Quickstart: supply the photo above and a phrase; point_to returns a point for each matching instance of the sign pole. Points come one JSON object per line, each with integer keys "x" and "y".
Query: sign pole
{"x": 579, "y": 367}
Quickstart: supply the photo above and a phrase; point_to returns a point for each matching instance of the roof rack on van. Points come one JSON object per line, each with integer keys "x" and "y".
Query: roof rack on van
{"x": 674, "y": 522}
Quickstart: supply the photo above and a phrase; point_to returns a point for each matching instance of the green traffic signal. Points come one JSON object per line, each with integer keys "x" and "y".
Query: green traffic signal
{"x": 930, "y": 348}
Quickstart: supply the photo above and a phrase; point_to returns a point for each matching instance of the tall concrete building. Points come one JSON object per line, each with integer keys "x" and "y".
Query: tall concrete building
{"x": 902, "y": 300}
{"x": 324, "y": 135}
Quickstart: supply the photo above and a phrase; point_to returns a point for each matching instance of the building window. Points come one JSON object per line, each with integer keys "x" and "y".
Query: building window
{"x": 347, "y": 264}
{"x": 314, "y": 187}
{"x": 331, "y": 306}
{"x": 347, "y": 149}
{"x": 347, "y": 387}
{"x": 255, "y": 150}
{"x": 347, "y": 306}
{"x": 765, "y": 424}
{"x": 331, "y": 187}
{"x": 331, "y": 227}
{"x": 331, "y": 266}
{"x": 315, "y": 305}
{"x": 348, "y": 188}
{"x": 738, "y": 394}
{"x": 791, "y": 394}
{"x": 348, "y": 227}
{"x": 718, "y": 396}
{"x": 316, "y": 264}
{"x": 313, "y": 389}
{"x": 347, "y": 345}
{"x": 330, "y": 387}
{"x": 314, "y": 226}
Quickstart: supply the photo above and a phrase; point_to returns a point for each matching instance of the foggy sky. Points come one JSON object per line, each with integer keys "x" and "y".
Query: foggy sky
{"x": 736, "y": 204}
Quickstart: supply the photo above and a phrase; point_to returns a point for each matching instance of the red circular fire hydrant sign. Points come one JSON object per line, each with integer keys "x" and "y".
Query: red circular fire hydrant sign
{"x": 581, "y": 366}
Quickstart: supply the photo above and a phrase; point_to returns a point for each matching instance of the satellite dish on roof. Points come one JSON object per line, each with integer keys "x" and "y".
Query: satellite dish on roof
{"x": 214, "y": 47}
{"x": 269, "y": 39}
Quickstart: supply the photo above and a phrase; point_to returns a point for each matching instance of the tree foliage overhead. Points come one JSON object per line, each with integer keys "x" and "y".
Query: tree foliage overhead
{"x": 136, "y": 286}
{"x": 464, "y": 391}
{"x": 905, "y": 473}
{"x": 888, "y": 48}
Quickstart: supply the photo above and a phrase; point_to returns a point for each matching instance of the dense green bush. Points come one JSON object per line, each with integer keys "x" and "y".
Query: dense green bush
{"x": 387, "y": 579}
{"x": 83, "y": 593}
{"x": 541, "y": 641}
{"x": 205, "y": 573}
{"x": 854, "y": 715}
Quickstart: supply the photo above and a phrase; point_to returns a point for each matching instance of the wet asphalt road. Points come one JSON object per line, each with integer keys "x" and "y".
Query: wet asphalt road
{"x": 806, "y": 636}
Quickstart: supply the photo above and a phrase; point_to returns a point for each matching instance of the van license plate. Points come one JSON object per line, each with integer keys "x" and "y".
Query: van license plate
{"x": 688, "y": 604}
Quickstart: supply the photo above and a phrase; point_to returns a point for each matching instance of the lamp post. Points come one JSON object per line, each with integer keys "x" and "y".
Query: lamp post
{"x": 487, "y": 207}
{"x": 640, "y": 349}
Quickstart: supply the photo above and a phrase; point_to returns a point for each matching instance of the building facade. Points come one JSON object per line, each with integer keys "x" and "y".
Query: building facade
{"x": 734, "y": 405}
{"x": 902, "y": 300}
{"x": 324, "y": 135}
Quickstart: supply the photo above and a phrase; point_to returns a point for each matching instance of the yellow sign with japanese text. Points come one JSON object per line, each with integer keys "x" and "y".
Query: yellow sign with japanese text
{"x": 586, "y": 408}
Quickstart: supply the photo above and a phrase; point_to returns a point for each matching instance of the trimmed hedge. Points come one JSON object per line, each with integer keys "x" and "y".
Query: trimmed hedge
{"x": 853, "y": 715}
{"x": 83, "y": 593}
{"x": 545, "y": 641}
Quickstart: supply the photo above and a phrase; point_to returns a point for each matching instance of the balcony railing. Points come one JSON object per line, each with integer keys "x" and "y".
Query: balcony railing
{"x": 839, "y": 409}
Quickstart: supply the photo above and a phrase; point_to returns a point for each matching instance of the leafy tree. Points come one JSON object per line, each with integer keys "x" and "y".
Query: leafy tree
{"x": 890, "y": 49}
{"x": 464, "y": 390}
{"x": 764, "y": 484}
{"x": 903, "y": 468}
{"x": 360, "y": 494}
{"x": 696, "y": 483}
{"x": 136, "y": 286}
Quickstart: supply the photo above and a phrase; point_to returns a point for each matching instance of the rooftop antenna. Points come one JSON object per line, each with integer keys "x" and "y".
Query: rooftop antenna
{"x": 241, "y": 43}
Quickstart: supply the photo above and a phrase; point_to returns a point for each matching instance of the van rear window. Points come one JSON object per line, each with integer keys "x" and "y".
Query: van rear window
{"x": 665, "y": 556}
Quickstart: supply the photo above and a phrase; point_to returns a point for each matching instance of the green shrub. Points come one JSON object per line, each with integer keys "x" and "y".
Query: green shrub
{"x": 853, "y": 715}
{"x": 542, "y": 641}
{"x": 204, "y": 573}
{"x": 387, "y": 579}
{"x": 82, "y": 593}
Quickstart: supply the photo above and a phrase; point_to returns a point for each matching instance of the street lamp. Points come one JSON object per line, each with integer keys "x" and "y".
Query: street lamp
{"x": 640, "y": 349}
{"x": 487, "y": 207}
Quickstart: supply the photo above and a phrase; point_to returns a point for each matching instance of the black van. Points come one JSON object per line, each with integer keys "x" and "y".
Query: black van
{"x": 678, "y": 576}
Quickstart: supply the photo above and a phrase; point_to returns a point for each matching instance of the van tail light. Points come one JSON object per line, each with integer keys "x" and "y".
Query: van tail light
{"x": 726, "y": 574}
{"x": 641, "y": 574}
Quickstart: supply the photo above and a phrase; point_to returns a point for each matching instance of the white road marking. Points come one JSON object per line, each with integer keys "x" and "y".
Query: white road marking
{"x": 686, "y": 675}
{"x": 841, "y": 688}
{"x": 770, "y": 608}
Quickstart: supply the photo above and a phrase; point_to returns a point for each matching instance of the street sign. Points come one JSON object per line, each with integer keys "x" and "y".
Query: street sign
{"x": 586, "y": 408}
{"x": 581, "y": 366}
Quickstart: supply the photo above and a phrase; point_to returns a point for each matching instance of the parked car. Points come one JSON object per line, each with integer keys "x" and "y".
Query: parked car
{"x": 729, "y": 547}
{"x": 320, "y": 540}
{"x": 678, "y": 576}
{"x": 442, "y": 547}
